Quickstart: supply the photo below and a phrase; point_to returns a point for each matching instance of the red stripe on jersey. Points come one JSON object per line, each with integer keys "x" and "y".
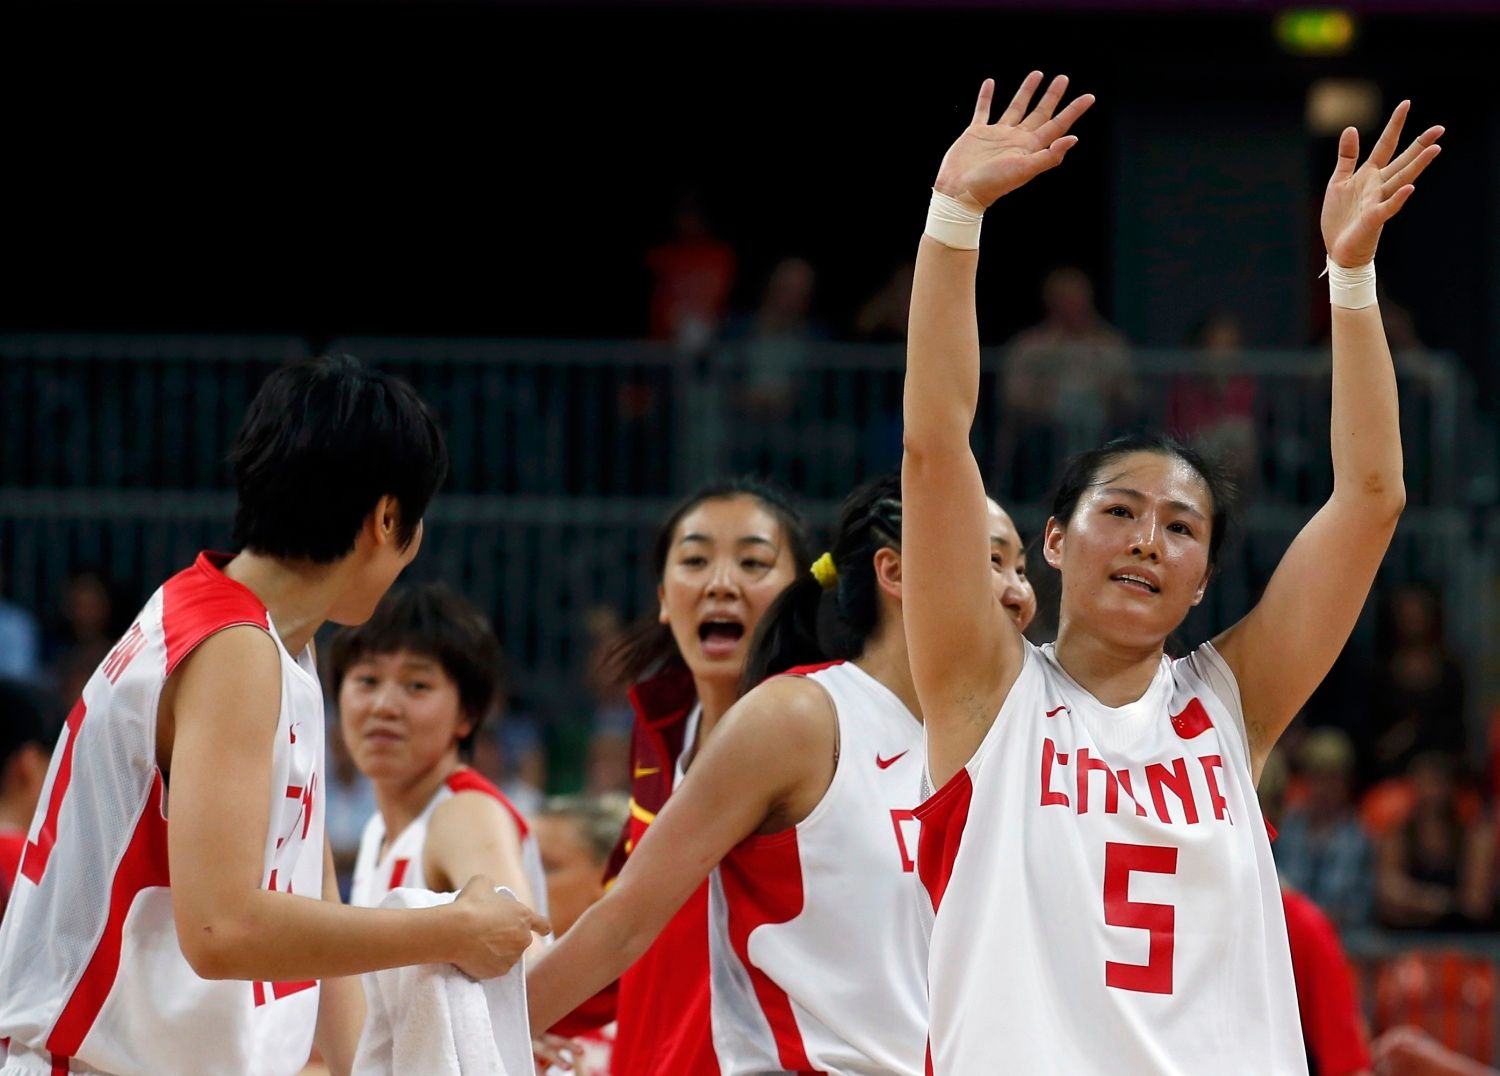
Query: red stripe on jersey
{"x": 60, "y": 1065}
{"x": 202, "y": 600}
{"x": 464, "y": 779}
{"x": 143, "y": 866}
{"x": 40, "y": 850}
{"x": 398, "y": 872}
{"x": 762, "y": 879}
{"x": 808, "y": 670}
{"x": 943, "y": 818}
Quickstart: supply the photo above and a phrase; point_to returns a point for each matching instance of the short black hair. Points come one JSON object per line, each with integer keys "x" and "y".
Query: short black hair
{"x": 431, "y": 620}
{"x": 323, "y": 441}
{"x": 806, "y": 624}
{"x": 25, "y": 718}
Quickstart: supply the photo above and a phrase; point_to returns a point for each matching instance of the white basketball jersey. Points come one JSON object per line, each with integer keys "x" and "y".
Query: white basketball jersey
{"x": 91, "y": 974}
{"x": 1105, "y": 896}
{"x": 818, "y": 959}
{"x": 377, "y": 872}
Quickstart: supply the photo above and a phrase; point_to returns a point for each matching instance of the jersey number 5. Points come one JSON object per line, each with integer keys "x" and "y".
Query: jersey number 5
{"x": 1120, "y": 860}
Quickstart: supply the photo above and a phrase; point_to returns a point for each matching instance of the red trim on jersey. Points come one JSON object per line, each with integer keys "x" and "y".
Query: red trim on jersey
{"x": 143, "y": 866}
{"x": 202, "y": 600}
{"x": 762, "y": 879}
{"x": 808, "y": 670}
{"x": 60, "y": 1065}
{"x": 465, "y": 779}
{"x": 398, "y": 872}
{"x": 943, "y": 818}
{"x": 38, "y": 852}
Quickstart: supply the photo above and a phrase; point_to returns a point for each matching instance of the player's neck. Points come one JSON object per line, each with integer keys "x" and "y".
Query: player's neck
{"x": 884, "y": 658}
{"x": 297, "y": 594}
{"x": 14, "y": 814}
{"x": 1116, "y": 675}
{"x": 716, "y": 697}
{"x": 400, "y": 803}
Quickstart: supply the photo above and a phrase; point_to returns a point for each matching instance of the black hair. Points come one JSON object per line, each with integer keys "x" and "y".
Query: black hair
{"x": 323, "y": 441}
{"x": 431, "y": 620}
{"x": 647, "y": 648}
{"x": 1084, "y": 470}
{"x": 25, "y": 718}
{"x": 808, "y": 624}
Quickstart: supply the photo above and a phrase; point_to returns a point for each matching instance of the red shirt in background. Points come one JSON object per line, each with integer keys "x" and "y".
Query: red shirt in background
{"x": 1332, "y": 1026}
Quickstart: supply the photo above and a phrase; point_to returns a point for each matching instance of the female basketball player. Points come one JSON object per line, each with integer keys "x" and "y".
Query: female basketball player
{"x": 804, "y": 803}
{"x": 1105, "y": 895}
{"x": 721, "y": 558}
{"x": 137, "y": 944}
{"x": 415, "y": 683}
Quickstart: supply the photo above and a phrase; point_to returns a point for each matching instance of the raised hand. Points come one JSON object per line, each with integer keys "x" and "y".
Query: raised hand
{"x": 1359, "y": 200}
{"x": 992, "y": 159}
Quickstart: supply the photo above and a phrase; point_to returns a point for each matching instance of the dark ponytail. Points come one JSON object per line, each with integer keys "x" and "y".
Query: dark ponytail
{"x": 808, "y": 624}
{"x": 647, "y": 648}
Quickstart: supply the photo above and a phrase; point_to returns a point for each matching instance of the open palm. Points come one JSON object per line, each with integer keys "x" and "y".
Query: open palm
{"x": 993, "y": 159}
{"x": 1361, "y": 199}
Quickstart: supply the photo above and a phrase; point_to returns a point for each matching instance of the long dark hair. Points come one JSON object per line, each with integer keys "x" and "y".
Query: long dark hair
{"x": 808, "y": 624}
{"x": 1084, "y": 470}
{"x": 647, "y": 647}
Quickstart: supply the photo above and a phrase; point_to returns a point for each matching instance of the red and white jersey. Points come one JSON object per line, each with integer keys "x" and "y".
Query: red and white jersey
{"x": 1104, "y": 891}
{"x": 819, "y": 961}
{"x": 91, "y": 975}
{"x": 377, "y": 871}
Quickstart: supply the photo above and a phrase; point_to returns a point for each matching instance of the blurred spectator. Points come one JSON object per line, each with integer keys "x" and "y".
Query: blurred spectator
{"x": 1216, "y": 407}
{"x": 1410, "y": 1051}
{"x": 692, "y": 277}
{"x": 26, "y": 738}
{"x": 1067, "y": 385}
{"x": 1435, "y": 872}
{"x": 20, "y": 641}
{"x": 773, "y": 343}
{"x": 509, "y": 751}
{"x": 349, "y": 804}
{"x": 1320, "y": 848}
{"x": 576, "y": 835}
{"x": 883, "y": 317}
{"x": 1333, "y": 1030}
{"x": 612, "y": 720}
{"x": 86, "y": 628}
{"x": 1417, "y": 687}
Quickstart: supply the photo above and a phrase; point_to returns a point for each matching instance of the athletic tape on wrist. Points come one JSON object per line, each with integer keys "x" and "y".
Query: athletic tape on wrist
{"x": 952, "y": 223}
{"x": 1352, "y": 289}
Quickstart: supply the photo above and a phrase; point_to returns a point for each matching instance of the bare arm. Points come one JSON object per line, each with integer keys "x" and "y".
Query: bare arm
{"x": 341, "y": 1002}
{"x": 473, "y": 834}
{"x": 1285, "y": 646}
{"x": 224, "y": 703}
{"x": 965, "y": 652}
{"x": 773, "y": 752}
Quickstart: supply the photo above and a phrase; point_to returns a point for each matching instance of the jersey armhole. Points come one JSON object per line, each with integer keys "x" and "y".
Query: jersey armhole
{"x": 758, "y": 840}
{"x": 1209, "y": 666}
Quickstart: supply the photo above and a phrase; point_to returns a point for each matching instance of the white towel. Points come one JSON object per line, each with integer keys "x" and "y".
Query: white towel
{"x": 433, "y": 1020}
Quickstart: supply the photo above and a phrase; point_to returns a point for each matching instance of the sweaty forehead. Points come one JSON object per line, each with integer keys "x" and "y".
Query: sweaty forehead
{"x": 1158, "y": 476}
{"x": 728, "y": 519}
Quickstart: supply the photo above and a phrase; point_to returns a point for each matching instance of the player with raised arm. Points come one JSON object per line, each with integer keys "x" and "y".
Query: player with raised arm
{"x": 135, "y": 944}
{"x": 1104, "y": 891}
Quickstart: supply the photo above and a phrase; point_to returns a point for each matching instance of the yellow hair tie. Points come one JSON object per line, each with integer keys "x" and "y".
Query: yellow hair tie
{"x": 826, "y": 572}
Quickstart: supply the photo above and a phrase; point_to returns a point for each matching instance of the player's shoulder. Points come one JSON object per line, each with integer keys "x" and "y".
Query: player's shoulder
{"x": 200, "y": 602}
{"x": 475, "y": 800}
{"x": 785, "y": 714}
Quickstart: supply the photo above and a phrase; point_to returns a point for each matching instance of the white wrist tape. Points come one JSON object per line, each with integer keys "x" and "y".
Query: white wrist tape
{"x": 952, "y": 223}
{"x": 1353, "y": 289}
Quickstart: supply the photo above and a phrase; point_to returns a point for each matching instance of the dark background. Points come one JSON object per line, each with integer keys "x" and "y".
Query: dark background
{"x": 499, "y": 170}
